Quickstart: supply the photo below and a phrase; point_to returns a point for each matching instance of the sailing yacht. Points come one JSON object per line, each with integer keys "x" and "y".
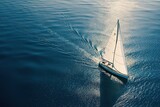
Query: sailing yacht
{"x": 113, "y": 59}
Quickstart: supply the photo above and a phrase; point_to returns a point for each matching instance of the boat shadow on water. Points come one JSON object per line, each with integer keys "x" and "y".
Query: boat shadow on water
{"x": 110, "y": 89}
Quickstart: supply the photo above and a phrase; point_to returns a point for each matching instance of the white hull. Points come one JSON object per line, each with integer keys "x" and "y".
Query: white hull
{"x": 112, "y": 71}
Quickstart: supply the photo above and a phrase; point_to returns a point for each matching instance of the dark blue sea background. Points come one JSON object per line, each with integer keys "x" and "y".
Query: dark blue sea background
{"x": 50, "y": 49}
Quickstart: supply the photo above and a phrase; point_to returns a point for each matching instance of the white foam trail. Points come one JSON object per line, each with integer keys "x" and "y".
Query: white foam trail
{"x": 76, "y": 31}
{"x": 85, "y": 53}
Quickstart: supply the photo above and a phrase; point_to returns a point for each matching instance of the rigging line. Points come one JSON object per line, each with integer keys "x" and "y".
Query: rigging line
{"x": 116, "y": 41}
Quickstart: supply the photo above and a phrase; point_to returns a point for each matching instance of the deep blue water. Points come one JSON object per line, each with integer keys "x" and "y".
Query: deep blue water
{"x": 49, "y": 53}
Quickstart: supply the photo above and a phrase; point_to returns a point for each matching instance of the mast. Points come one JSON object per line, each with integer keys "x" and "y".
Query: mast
{"x": 116, "y": 41}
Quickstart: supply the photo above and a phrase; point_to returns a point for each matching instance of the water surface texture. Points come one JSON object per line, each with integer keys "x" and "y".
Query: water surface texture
{"x": 49, "y": 53}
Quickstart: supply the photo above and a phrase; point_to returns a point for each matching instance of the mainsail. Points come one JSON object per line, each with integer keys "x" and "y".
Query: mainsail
{"x": 114, "y": 52}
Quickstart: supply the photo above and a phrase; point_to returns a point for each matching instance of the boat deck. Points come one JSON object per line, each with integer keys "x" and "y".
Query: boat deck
{"x": 109, "y": 67}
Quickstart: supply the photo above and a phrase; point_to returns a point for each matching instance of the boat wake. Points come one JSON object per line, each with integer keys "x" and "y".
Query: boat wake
{"x": 85, "y": 39}
{"x": 77, "y": 47}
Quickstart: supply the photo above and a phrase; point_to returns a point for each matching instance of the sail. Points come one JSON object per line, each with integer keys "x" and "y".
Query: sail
{"x": 110, "y": 48}
{"x": 114, "y": 52}
{"x": 119, "y": 58}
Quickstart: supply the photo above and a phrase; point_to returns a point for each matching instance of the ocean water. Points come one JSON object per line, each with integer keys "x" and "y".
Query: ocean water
{"x": 49, "y": 53}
